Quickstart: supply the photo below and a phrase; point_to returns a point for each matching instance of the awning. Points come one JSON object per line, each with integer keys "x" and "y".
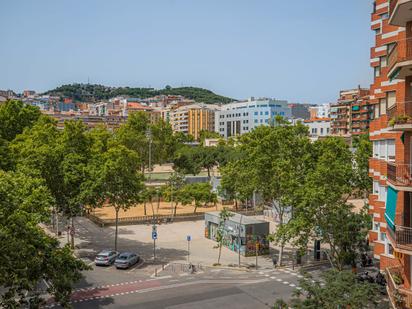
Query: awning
{"x": 390, "y": 210}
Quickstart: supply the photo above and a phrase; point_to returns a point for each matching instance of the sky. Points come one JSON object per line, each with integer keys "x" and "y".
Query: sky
{"x": 301, "y": 50}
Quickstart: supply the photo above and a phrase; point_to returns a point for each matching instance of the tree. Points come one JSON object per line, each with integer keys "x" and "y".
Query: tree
{"x": 363, "y": 152}
{"x": 224, "y": 215}
{"x": 75, "y": 145}
{"x": 28, "y": 254}
{"x": 322, "y": 211}
{"x": 334, "y": 290}
{"x": 38, "y": 153}
{"x": 199, "y": 193}
{"x": 274, "y": 162}
{"x": 6, "y": 158}
{"x": 15, "y": 116}
{"x": 134, "y": 135}
{"x": 187, "y": 160}
{"x": 116, "y": 181}
{"x": 172, "y": 191}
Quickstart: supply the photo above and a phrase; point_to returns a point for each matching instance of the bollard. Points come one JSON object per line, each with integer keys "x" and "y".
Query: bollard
{"x": 155, "y": 272}
{"x": 163, "y": 266}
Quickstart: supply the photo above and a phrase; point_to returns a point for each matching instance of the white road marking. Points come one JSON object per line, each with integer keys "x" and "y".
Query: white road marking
{"x": 292, "y": 285}
{"x": 285, "y": 282}
{"x": 272, "y": 277}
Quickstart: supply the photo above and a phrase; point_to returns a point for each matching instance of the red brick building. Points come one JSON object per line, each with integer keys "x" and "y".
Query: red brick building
{"x": 352, "y": 113}
{"x": 391, "y": 134}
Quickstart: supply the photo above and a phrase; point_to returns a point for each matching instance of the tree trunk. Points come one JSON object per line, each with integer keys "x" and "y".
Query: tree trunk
{"x": 158, "y": 203}
{"x": 282, "y": 245}
{"x": 194, "y": 211}
{"x": 145, "y": 211}
{"x": 175, "y": 209}
{"x": 220, "y": 253}
{"x": 115, "y": 234}
{"x": 236, "y": 204}
{"x": 208, "y": 173}
{"x": 72, "y": 233}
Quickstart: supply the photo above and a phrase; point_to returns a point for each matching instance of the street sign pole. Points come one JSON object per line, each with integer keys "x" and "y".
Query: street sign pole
{"x": 154, "y": 237}
{"x": 189, "y": 238}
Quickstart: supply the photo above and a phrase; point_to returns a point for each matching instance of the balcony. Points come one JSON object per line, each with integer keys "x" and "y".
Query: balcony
{"x": 400, "y": 59}
{"x": 400, "y": 116}
{"x": 400, "y": 12}
{"x": 401, "y": 238}
{"x": 399, "y": 296}
{"x": 400, "y": 174}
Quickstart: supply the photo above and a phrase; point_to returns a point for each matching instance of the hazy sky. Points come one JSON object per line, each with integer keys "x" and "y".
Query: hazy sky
{"x": 298, "y": 50}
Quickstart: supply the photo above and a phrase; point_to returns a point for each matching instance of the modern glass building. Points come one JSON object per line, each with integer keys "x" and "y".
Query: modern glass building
{"x": 241, "y": 117}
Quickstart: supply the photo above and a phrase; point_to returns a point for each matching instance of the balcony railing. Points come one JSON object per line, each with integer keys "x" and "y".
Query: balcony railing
{"x": 400, "y": 297}
{"x": 402, "y": 51}
{"x": 401, "y": 237}
{"x": 400, "y": 174}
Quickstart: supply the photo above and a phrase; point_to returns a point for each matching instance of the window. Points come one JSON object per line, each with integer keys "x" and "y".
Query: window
{"x": 382, "y": 106}
{"x": 377, "y": 71}
{"x": 376, "y": 226}
{"x": 267, "y": 121}
{"x": 376, "y": 111}
{"x": 256, "y": 113}
{"x": 266, "y": 113}
{"x": 391, "y": 149}
{"x": 375, "y": 149}
{"x": 261, "y": 113}
{"x": 391, "y": 98}
{"x": 256, "y": 121}
{"x": 321, "y": 130}
{"x": 375, "y": 187}
{"x": 382, "y": 236}
{"x": 382, "y": 149}
{"x": 382, "y": 193}
{"x": 383, "y": 61}
{"x": 390, "y": 248}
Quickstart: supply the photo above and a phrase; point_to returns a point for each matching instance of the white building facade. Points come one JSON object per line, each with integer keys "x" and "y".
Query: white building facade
{"x": 242, "y": 117}
{"x": 318, "y": 127}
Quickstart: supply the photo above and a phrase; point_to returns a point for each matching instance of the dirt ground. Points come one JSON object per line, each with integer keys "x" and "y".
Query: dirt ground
{"x": 164, "y": 209}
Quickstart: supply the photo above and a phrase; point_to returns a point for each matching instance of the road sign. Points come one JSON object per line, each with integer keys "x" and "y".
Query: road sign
{"x": 189, "y": 238}
{"x": 154, "y": 235}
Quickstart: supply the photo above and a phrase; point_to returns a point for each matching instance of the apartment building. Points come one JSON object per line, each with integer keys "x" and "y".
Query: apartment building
{"x": 318, "y": 127}
{"x": 319, "y": 111}
{"x": 242, "y": 117}
{"x": 194, "y": 118}
{"x": 391, "y": 134}
{"x": 352, "y": 112}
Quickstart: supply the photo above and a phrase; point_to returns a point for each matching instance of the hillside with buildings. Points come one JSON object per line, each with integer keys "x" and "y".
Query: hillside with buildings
{"x": 94, "y": 93}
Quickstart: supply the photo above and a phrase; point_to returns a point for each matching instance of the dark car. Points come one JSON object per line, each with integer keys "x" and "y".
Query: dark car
{"x": 126, "y": 259}
{"x": 106, "y": 257}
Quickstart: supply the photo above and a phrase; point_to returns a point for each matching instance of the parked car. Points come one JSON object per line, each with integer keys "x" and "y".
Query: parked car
{"x": 126, "y": 259}
{"x": 106, "y": 257}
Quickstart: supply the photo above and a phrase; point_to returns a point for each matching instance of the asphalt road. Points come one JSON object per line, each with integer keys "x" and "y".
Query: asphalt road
{"x": 208, "y": 288}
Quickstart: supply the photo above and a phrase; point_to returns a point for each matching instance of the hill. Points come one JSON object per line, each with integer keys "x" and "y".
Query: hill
{"x": 92, "y": 93}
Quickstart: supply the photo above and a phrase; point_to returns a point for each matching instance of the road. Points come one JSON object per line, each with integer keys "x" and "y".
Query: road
{"x": 106, "y": 287}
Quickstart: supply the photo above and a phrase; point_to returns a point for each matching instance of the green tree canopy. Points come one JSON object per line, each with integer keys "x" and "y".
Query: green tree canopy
{"x": 15, "y": 116}
{"x": 28, "y": 255}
